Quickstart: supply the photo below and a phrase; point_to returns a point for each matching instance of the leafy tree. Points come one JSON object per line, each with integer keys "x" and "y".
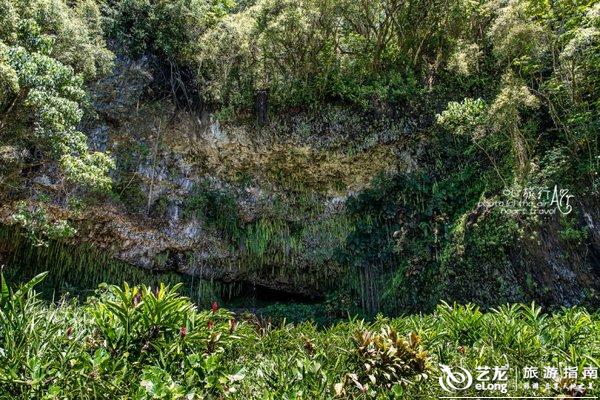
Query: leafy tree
{"x": 47, "y": 49}
{"x": 166, "y": 28}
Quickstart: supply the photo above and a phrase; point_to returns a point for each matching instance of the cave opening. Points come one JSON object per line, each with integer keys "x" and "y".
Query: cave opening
{"x": 253, "y": 296}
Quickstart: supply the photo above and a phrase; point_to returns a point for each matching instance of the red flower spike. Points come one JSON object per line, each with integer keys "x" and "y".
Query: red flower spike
{"x": 183, "y": 331}
{"x": 214, "y": 307}
{"x": 210, "y": 324}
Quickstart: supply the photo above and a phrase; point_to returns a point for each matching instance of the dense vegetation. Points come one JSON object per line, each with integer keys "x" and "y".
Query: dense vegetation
{"x": 47, "y": 49}
{"x": 150, "y": 343}
{"x": 397, "y": 133}
{"x": 532, "y": 64}
{"x": 382, "y": 144}
{"x": 503, "y": 92}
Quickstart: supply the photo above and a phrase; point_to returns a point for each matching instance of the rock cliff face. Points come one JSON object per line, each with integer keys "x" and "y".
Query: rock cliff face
{"x": 544, "y": 264}
{"x": 233, "y": 201}
{"x": 226, "y": 200}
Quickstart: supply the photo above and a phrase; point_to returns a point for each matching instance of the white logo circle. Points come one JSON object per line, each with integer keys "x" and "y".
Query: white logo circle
{"x": 452, "y": 381}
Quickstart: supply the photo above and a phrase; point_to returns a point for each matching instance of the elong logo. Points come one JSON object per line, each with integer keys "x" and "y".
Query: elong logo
{"x": 453, "y": 381}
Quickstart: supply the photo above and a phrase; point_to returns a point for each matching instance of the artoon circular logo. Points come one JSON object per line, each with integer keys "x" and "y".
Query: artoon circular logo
{"x": 452, "y": 381}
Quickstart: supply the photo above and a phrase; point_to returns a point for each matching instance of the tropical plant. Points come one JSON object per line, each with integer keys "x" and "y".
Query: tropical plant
{"x": 141, "y": 343}
{"x": 389, "y": 359}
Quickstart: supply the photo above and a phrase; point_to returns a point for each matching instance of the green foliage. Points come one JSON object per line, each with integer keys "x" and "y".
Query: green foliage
{"x": 140, "y": 343}
{"x": 38, "y": 228}
{"x": 132, "y": 319}
{"x": 466, "y": 118}
{"x": 389, "y": 359}
{"x": 516, "y": 80}
{"x": 571, "y": 232}
{"x": 491, "y": 234}
{"x": 553, "y": 74}
{"x": 166, "y": 28}
{"x": 78, "y": 270}
{"x": 70, "y": 34}
{"x": 216, "y": 207}
{"x": 47, "y": 49}
{"x": 281, "y": 238}
{"x": 463, "y": 324}
{"x": 302, "y": 52}
{"x": 401, "y": 226}
{"x": 128, "y": 340}
{"x": 306, "y": 52}
{"x": 295, "y": 313}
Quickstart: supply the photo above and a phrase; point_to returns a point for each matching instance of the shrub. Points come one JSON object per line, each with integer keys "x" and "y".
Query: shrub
{"x": 389, "y": 359}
